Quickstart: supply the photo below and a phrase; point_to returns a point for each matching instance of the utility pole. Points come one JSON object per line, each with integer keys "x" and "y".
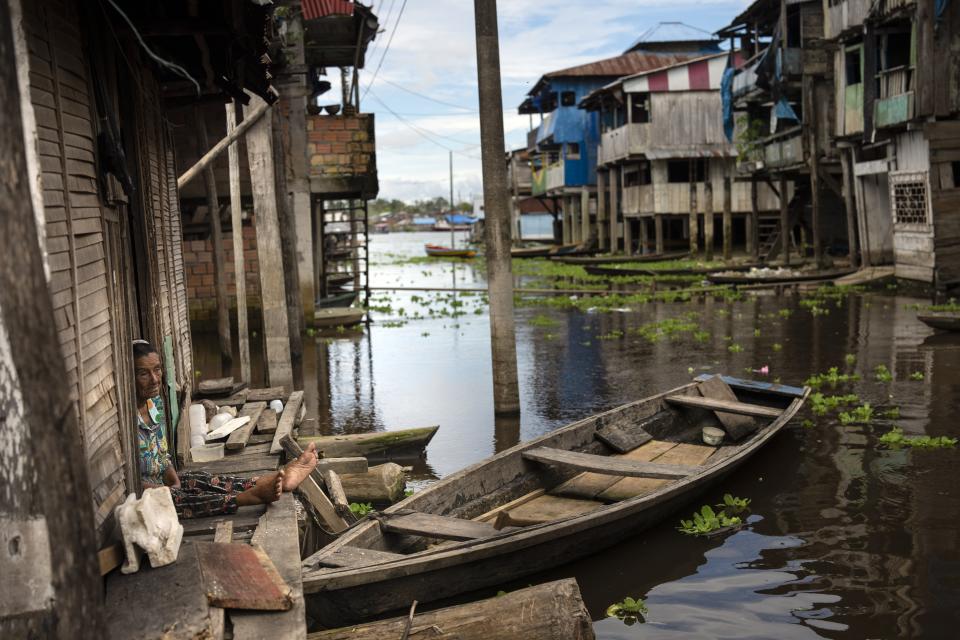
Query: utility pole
{"x": 506, "y": 394}
{"x": 453, "y": 240}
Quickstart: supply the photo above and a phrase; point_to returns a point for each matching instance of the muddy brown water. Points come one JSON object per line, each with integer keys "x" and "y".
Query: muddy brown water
{"x": 846, "y": 537}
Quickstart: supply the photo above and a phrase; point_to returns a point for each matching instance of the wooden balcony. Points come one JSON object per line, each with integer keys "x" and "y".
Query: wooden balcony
{"x": 783, "y": 149}
{"x": 623, "y": 142}
{"x": 844, "y": 15}
{"x": 342, "y": 154}
{"x": 546, "y": 179}
{"x": 638, "y": 200}
{"x": 895, "y": 102}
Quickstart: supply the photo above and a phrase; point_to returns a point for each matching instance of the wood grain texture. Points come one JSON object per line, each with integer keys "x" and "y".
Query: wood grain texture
{"x": 736, "y": 425}
{"x": 287, "y": 420}
{"x": 238, "y": 439}
{"x": 241, "y": 576}
{"x": 434, "y": 526}
{"x": 740, "y": 408}
{"x": 606, "y": 464}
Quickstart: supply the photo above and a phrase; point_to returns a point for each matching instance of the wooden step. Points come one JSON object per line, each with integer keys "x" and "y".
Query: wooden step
{"x": 347, "y": 556}
{"x": 429, "y": 525}
{"x": 606, "y": 464}
{"x": 740, "y": 408}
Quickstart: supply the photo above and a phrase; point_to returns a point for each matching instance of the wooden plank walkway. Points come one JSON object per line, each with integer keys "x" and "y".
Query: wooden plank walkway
{"x": 131, "y": 600}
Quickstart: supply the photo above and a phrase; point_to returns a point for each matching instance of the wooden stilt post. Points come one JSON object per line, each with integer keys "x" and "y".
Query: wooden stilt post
{"x": 288, "y": 244}
{"x": 727, "y": 219}
{"x": 810, "y": 116}
{"x": 708, "y": 219}
{"x": 628, "y": 235}
{"x": 506, "y": 390}
{"x": 658, "y": 231}
{"x": 585, "y": 215}
{"x": 603, "y": 229}
{"x": 644, "y": 235}
{"x": 614, "y": 209}
{"x": 846, "y": 161}
{"x": 269, "y": 251}
{"x": 565, "y": 220}
{"x": 784, "y": 222}
{"x": 692, "y": 220}
{"x": 236, "y": 223}
{"x": 753, "y": 222}
{"x": 219, "y": 256}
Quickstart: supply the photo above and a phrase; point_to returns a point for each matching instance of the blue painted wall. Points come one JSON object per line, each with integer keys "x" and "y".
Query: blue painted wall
{"x": 571, "y": 124}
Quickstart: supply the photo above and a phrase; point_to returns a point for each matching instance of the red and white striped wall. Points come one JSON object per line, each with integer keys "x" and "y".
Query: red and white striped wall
{"x": 702, "y": 74}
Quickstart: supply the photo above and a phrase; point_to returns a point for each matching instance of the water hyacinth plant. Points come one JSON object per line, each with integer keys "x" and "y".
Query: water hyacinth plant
{"x": 896, "y": 439}
{"x": 630, "y": 610}
{"x": 707, "y": 521}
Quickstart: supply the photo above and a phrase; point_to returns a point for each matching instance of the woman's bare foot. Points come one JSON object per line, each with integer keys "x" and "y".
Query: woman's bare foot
{"x": 297, "y": 470}
{"x": 267, "y": 489}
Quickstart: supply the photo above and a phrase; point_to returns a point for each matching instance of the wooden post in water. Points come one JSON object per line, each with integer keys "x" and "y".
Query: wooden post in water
{"x": 627, "y": 236}
{"x": 216, "y": 239}
{"x": 708, "y": 218}
{"x": 614, "y": 209}
{"x": 658, "y": 231}
{"x": 236, "y": 223}
{"x": 692, "y": 220}
{"x": 506, "y": 393}
{"x": 50, "y": 585}
{"x": 753, "y": 222}
{"x": 279, "y": 371}
{"x": 846, "y": 162}
{"x": 727, "y": 219}
{"x": 784, "y": 222}
{"x": 603, "y": 239}
{"x": 810, "y": 116}
{"x": 584, "y": 214}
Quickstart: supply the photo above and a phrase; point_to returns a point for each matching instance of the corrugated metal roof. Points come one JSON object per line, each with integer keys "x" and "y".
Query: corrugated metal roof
{"x": 626, "y": 64}
{"x": 616, "y": 84}
{"x": 672, "y": 32}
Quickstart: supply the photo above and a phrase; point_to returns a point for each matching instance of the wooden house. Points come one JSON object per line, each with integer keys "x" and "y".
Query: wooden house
{"x": 102, "y": 172}
{"x": 663, "y": 161}
{"x": 897, "y": 100}
{"x": 563, "y": 145}
{"x": 783, "y": 101}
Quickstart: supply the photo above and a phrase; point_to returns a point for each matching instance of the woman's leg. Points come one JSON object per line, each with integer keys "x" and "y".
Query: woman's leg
{"x": 204, "y": 481}
{"x": 193, "y": 503}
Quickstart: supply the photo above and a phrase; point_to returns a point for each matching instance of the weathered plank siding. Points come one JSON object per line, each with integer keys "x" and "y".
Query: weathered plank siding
{"x": 88, "y": 239}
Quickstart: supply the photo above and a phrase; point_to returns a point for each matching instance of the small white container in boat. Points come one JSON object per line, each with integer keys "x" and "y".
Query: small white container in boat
{"x": 219, "y": 420}
{"x": 207, "y": 452}
{"x": 197, "y": 440}
{"x": 198, "y": 419}
{"x": 277, "y": 406}
{"x": 713, "y": 436}
{"x": 231, "y": 410}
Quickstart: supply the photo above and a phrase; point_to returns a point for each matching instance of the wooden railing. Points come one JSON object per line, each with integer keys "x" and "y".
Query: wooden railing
{"x": 896, "y": 81}
{"x": 619, "y": 143}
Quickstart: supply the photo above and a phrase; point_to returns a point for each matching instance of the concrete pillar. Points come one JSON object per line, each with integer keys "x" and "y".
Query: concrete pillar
{"x": 692, "y": 219}
{"x": 628, "y": 236}
{"x": 784, "y": 222}
{"x": 727, "y": 219}
{"x": 658, "y": 232}
{"x": 614, "y": 209}
{"x": 753, "y": 222}
{"x": 603, "y": 228}
{"x": 644, "y": 236}
{"x": 303, "y": 217}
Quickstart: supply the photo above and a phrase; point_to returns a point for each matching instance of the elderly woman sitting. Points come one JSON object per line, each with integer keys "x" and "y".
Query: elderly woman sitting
{"x": 196, "y": 493}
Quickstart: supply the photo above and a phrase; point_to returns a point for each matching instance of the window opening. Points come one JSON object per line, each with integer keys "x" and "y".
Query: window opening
{"x": 568, "y": 99}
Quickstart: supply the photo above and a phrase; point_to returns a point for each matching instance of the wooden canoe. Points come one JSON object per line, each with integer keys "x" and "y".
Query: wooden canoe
{"x": 401, "y": 443}
{"x": 603, "y": 270}
{"x": 653, "y": 257}
{"x": 436, "y": 251}
{"x": 545, "y": 502}
{"x": 944, "y": 320}
{"x": 723, "y": 277}
{"x": 533, "y": 251}
{"x": 345, "y": 299}
{"x": 337, "y": 317}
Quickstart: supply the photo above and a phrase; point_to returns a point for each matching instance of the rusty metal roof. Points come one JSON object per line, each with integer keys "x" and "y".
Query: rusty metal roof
{"x": 623, "y": 65}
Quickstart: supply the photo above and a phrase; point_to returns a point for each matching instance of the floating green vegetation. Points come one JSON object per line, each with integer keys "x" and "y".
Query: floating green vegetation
{"x": 916, "y": 375}
{"x": 707, "y": 521}
{"x": 629, "y": 610}
{"x": 777, "y": 346}
{"x": 733, "y": 504}
{"x": 833, "y": 377}
{"x": 701, "y": 336}
{"x": 393, "y": 324}
{"x": 669, "y": 328}
{"x": 896, "y": 439}
{"x": 951, "y": 306}
{"x": 821, "y": 404}
{"x": 734, "y": 348}
{"x": 668, "y": 265}
{"x": 807, "y": 423}
{"x": 616, "y": 334}
{"x": 860, "y": 415}
{"x": 756, "y": 333}
{"x": 893, "y": 413}
{"x": 785, "y": 313}
{"x": 882, "y": 373}
{"x": 850, "y": 359}
{"x": 541, "y": 320}
{"x": 407, "y": 493}
{"x": 360, "y": 509}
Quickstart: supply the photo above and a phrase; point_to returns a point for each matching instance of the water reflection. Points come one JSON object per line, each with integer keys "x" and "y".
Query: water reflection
{"x": 849, "y": 538}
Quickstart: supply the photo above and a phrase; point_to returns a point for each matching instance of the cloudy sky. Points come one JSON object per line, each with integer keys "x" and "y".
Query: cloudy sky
{"x": 424, "y": 94}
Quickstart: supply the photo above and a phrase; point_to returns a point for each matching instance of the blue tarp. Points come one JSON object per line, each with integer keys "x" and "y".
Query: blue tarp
{"x": 424, "y": 221}
{"x": 939, "y": 8}
{"x": 456, "y": 218}
{"x": 726, "y": 100}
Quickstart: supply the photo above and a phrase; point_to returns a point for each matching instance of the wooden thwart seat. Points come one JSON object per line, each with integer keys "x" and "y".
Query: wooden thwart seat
{"x": 433, "y": 526}
{"x": 353, "y": 557}
{"x": 610, "y": 465}
{"x": 740, "y": 408}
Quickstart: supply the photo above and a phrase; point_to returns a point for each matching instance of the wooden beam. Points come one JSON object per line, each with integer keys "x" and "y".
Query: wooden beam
{"x": 219, "y": 256}
{"x": 238, "y": 439}
{"x": 346, "y": 556}
{"x": 610, "y": 465}
{"x": 337, "y": 495}
{"x": 708, "y": 219}
{"x": 784, "y": 222}
{"x": 250, "y": 118}
{"x": 741, "y": 408}
{"x": 270, "y": 256}
{"x": 287, "y": 420}
{"x": 325, "y": 509}
{"x": 429, "y": 525}
{"x": 236, "y": 224}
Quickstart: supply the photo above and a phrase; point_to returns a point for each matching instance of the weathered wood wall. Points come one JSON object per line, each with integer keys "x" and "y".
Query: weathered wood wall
{"x": 90, "y": 239}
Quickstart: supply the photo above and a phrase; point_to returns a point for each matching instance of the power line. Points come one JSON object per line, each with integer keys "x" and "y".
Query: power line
{"x": 396, "y": 25}
{"x": 431, "y": 132}
{"x": 424, "y": 133}
{"x": 424, "y": 96}
{"x": 386, "y": 21}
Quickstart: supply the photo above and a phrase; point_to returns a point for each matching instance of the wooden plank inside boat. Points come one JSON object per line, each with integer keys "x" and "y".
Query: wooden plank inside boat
{"x": 589, "y": 484}
{"x": 612, "y": 465}
{"x": 741, "y": 408}
{"x": 691, "y": 455}
{"x": 352, "y": 557}
{"x": 547, "y": 508}
{"x": 434, "y": 526}
{"x": 736, "y": 426}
